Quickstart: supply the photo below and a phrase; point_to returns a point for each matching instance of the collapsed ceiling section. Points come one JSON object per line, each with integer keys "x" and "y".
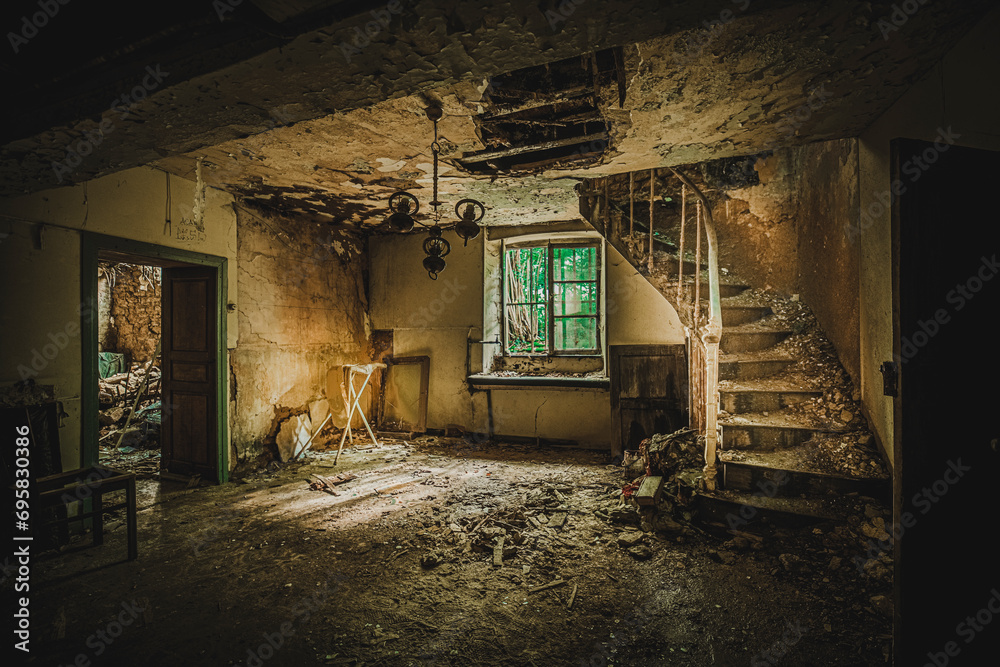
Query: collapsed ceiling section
{"x": 532, "y": 104}
{"x": 546, "y": 117}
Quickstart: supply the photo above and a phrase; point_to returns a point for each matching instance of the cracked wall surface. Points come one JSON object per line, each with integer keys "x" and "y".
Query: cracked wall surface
{"x": 302, "y": 313}
{"x": 788, "y": 234}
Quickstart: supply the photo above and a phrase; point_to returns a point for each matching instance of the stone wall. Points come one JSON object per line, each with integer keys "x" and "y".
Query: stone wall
{"x": 302, "y": 315}
{"x": 135, "y": 310}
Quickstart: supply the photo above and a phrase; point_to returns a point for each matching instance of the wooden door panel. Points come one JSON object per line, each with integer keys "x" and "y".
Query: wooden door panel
{"x": 648, "y": 392}
{"x": 191, "y": 434}
{"x": 189, "y": 372}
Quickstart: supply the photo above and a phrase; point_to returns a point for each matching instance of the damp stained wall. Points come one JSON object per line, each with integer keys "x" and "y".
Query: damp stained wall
{"x": 787, "y": 234}
{"x": 302, "y": 314}
{"x": 959, "y": 94}
{"x": 439, "y": 318}
{"x": 40, "y": 270}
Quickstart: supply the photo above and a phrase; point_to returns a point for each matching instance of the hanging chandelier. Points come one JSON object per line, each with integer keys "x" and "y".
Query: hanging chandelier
{"x": 403, "y": 206}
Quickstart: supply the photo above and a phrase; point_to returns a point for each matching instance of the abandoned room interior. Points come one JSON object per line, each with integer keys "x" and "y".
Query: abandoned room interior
{"x": 434, "y": 332}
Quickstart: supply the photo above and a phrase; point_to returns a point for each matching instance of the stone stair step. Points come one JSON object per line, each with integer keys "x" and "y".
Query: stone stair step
{"x": 741, "y": 510}
{"x": 765, "y": 432}
{"x": 726, "y": 290}
{"x": 752, "y": 366}
{"x": 739, "y": 340}
{"x": 777, "y": 481}
{"x": 768, "y": 397}
{"x": 736, "y": 315}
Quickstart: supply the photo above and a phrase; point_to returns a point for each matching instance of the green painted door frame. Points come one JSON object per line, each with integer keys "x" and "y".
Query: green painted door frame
{"x": 91, "y": 246}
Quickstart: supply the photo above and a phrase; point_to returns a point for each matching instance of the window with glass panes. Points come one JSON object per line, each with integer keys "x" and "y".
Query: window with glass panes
{"x": 551, "y": 298}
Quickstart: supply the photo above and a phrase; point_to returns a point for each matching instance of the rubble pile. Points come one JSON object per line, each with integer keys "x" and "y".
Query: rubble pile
{"x": 666, "y": 454}
{"x": 115, "y": 389}
{"x": 139, "y": 435}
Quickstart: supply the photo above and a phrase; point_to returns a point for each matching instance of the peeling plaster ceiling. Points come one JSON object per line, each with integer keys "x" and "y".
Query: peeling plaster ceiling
{"x": 335, "y": 147}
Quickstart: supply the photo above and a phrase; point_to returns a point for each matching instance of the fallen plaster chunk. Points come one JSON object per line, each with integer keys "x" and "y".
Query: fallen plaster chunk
{"x": 293, "y": 435}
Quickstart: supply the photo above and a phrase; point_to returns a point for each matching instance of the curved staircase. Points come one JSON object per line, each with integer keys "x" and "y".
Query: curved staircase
{"x": 794, "y": 446}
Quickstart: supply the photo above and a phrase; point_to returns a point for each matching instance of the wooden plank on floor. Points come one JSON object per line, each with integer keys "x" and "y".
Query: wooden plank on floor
{"x": 649, "y": 491}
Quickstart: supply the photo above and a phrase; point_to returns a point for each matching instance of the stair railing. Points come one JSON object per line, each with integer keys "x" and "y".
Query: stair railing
{"x": 704, "y": 333}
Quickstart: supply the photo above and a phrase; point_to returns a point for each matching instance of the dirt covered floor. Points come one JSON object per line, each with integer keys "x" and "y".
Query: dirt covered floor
{"x": 443, "y": 552}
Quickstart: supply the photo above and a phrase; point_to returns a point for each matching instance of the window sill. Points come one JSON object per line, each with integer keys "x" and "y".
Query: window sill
{"x": 486, "y": 381}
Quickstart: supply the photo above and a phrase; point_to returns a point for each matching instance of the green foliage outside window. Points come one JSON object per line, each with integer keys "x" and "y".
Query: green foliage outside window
{"x": 567, "y": 292}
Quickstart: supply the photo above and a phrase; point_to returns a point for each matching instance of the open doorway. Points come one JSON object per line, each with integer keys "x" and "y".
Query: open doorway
{"x": 130, "y": 411}
{"x": 154, "y": 360}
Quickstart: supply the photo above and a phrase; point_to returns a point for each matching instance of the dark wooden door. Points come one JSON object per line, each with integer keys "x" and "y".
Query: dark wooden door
{"x": 648, "y": 392}
{"x": 190, "y": 405}
{"x": 947, "y": 575}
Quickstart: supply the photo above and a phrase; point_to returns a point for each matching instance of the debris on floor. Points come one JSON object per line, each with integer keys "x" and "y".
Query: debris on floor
{"x": 130, "y": 441}
{"x": 527, "y": 556}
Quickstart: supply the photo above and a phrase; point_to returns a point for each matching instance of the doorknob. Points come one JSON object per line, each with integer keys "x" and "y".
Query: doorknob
{"x": 995, "y": 444}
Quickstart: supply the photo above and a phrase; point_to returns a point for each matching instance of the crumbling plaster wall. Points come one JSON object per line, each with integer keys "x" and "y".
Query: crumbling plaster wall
{"x": 303, "y": 314}
{"x": 40, "y": 269}
{"x": 952, "y": 96}
{"x": 135, "y": 310}
{"x": 787, "y": 234}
